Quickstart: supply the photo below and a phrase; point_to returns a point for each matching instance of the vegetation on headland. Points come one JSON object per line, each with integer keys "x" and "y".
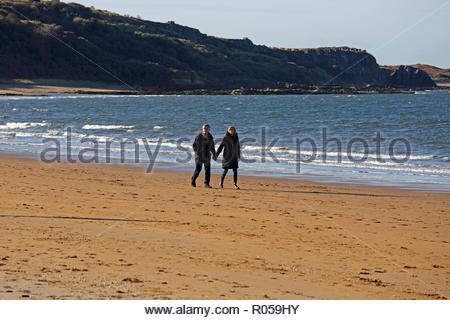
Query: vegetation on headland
{"x": 55, "y": 40}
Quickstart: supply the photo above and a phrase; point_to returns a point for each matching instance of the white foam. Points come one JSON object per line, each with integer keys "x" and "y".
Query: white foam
{"x": 343, "y": 154}
{"x": 21, "y": 125}
{"x": 104, "y": 127}
{"x": 39, "y": 109}
{"x": 37, "y": 134}
{"x": 7, "y": 134}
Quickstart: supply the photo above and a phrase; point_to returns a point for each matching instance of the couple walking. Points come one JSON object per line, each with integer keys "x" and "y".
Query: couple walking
{"x": 204, "y": 146}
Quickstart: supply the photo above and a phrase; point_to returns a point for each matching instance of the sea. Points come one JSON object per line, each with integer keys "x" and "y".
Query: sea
{"x": 395, "y": 140}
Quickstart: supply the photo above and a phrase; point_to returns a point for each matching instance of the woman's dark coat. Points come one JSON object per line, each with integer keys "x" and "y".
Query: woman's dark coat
{"x": 231, "y": 151}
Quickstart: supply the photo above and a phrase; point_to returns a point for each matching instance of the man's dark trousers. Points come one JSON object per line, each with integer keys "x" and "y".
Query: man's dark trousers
{"x": 198, "y": 168}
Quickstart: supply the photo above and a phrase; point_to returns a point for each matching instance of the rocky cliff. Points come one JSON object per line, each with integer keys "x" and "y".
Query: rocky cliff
{"x": 56, "y": 40}
{"x": 408, "y": 77}
{"x": 440, "y": 76}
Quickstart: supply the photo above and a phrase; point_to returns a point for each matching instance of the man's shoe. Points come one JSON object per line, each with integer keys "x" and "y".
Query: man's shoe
{"x": 193, "y": 183}
{"x": 208, "y": 186}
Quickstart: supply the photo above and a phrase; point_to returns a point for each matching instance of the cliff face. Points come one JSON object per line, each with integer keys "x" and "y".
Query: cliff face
{"x": 407, "y": 76}
{"x": 36, "y": 40}
{"x": 353, "y": 66}
{"x": 440, "y": 76}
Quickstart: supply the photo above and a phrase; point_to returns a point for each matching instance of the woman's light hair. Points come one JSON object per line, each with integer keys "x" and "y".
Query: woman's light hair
{"x": 232, "y": 128}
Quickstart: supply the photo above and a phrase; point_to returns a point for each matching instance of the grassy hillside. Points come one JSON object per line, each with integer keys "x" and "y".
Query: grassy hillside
{"x": 56, "y": 40}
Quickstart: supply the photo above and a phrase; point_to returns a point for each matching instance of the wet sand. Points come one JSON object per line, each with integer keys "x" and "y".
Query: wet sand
{"x": 72, "y": 231}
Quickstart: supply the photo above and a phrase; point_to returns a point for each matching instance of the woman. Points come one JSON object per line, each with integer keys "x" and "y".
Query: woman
{"x": 231, "y": 155}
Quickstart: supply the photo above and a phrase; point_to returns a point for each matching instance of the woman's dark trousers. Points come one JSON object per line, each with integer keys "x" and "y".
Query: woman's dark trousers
{"x": 235, "y": 174}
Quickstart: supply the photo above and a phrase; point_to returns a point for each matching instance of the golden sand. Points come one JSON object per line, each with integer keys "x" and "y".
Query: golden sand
{"x": 72, "y": 231}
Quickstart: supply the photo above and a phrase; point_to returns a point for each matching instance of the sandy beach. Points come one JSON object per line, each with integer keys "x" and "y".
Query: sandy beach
{"x": 71, "y": 231}
{"x": 52, "y": 87}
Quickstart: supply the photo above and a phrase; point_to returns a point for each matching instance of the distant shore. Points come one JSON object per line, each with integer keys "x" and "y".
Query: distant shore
{"x": 23, "y": 87}
{"x": 49, "y": 87}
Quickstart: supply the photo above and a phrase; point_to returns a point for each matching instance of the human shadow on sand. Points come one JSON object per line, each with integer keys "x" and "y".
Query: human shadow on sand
{"x": 82, "y": 218}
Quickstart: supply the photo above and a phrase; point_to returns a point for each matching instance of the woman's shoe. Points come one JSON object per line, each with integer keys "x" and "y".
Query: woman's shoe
{"x": 236, "y": 187}
{"x": 221, "y": 183}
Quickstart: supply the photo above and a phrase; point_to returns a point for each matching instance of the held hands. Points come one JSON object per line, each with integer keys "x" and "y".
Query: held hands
{"x": 215, "y": 158}
{"x": 238, "y": 159}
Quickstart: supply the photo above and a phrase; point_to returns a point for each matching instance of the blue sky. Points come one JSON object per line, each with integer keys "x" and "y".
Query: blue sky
{"x": 394, "y": 31}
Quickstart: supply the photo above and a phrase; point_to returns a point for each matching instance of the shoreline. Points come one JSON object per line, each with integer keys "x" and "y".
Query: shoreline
{"x": 80, "y": 231}
{"x": 276, "y": 176}
{"x": 87, "y": 88}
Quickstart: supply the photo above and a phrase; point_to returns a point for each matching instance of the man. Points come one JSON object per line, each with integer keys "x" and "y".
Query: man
{"x": 203, "y": 147}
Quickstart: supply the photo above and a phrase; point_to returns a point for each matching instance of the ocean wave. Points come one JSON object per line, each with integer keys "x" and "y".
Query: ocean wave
{"x": 362, "y": 166}
{"x": 21, "y": 144}
{"x": 7, "y": 134}
{"x": 281, "y": 152}
{"x": 359, "y": 155}
{"x": 22, "y": 125}
{"x": 407, "y": 167}
{"x": 127, "y": 141}
{"x": 259, "y": 148}
{"x": 333, "y": 154}
{"x": 32, "y": 135}
{"x": 172, "y": 153}
{"x": 104, "y": 127}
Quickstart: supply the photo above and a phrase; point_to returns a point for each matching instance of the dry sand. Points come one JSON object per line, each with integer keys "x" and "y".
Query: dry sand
{"x": 71, "y": 231}
{"x": 46, "y": 89}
